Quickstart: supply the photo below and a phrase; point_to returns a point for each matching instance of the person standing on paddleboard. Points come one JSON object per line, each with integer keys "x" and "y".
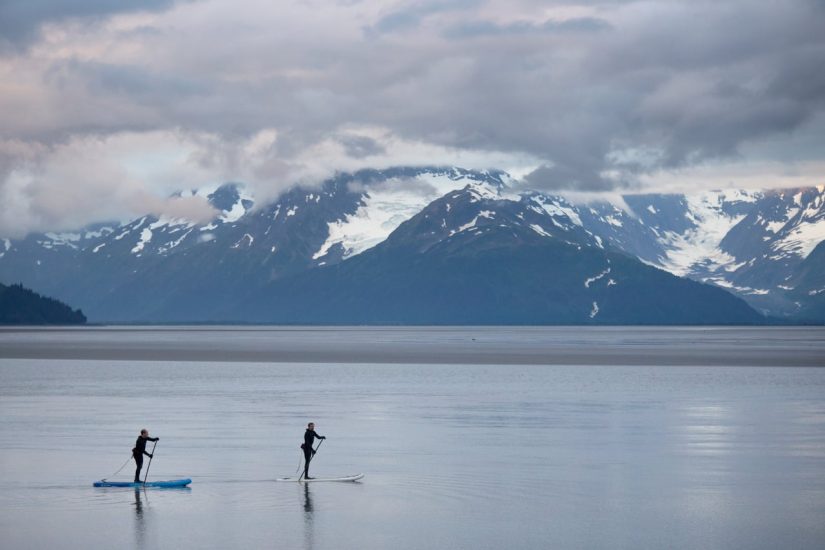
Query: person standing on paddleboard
{"x": 309, "y": 439}
{"x": 140, "y": 450}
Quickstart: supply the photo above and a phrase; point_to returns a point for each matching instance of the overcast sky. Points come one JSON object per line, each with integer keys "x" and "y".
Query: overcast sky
{"x": 108, "y": 106}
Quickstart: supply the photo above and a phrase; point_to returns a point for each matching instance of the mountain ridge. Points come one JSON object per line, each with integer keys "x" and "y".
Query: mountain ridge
{"x": 153, "y": 269}
{"x": 491, "y": 274}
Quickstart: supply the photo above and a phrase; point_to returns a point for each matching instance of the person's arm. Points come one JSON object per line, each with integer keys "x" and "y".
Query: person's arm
{"x": 150, "y": 455}
{"x": 319, "y": 437}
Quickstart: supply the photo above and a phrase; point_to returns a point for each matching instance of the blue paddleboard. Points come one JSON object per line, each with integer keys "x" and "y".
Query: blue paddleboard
{"x": 169, "y": 483}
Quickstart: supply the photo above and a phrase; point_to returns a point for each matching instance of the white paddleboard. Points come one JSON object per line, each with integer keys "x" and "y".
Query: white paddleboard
{"x": 355, "y": 477}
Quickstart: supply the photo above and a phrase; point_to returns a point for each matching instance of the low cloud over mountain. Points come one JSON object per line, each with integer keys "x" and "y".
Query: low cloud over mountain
{"x": 125, "y": 99}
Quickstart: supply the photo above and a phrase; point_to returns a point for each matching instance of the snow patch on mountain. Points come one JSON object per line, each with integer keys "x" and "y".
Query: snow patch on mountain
{"x": 155, "y": 232}
{"x": 595, "y": 310}
{"x": 245, "y": 241}
{"x": 101, "y": 232}
{"x": 219, "y": 194}
{"x": 592, "y": 280}
{"x": 240, "y": 208}
{"x": 709, "y": 225}
{"x": 172, "y": 244}
{"x": 538, "y": 229}
{"x": 61, "y": 239}
{"x": 803, "y": 238}
{"x": 556, "y": 207}
{"x": 719, "y": 281}
{"x": 234, "y": 214}
{"x": 131, "y": 227}
{"x": 804, "y": 229}
{"x": 385, "y": 207}
{"x": 472, "y": 223}
{"x": 145, "y": 237}
{"x": 776, "y": 227}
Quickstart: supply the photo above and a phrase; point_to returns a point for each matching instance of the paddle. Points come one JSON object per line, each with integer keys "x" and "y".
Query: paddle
{"x": 150, "y": 462}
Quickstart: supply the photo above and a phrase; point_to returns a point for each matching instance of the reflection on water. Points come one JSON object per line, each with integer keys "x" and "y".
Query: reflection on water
{"x": 709, "y": 430}
{"x": 455, "y": 455}
{"x": 307, "y": 503}
{"x": 140, "y": 518}
{"x": 308, "y": 526}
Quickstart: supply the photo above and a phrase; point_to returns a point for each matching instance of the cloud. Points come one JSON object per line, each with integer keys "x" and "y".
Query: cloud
{"x": 566, "y": 178}
{"x": 588, "y": 95}
{"x": 195, "y": 209}
{"x": 20, "y": 20}
{"x": 408, "y": 16}
{"x": 68, "y": 184}
{"x": 85, "y": 179}
{"x": 361, "y": 146}
{"x": 479, "y": 28}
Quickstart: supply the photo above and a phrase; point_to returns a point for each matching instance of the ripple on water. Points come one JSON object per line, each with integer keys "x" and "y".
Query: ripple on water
{"x": 466, "y": 487}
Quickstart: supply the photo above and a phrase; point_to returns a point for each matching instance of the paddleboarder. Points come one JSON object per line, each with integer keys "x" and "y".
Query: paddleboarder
{"x": 140, "y": 450}
{"x": 309, "y": 439}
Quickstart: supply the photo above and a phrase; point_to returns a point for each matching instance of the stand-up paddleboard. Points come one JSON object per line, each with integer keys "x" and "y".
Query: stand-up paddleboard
{"x": 169, "y": 483}
{"x": 355, "y": 477}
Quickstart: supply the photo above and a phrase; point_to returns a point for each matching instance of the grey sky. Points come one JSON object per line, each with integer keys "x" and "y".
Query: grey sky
{"x": 109, "y": 106}
{"x": 20, "y": 20}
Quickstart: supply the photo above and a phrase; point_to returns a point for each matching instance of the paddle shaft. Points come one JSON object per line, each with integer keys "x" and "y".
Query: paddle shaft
{"x": 315, "y": 450}
{"x": 150, "y": 463}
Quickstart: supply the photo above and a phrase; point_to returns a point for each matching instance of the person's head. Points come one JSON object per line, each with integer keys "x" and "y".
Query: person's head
{"x": 311, "y": 426}
{"x": 144, "y": 433}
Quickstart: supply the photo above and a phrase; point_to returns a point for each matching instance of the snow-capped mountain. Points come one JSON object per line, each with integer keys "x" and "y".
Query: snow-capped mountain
{"x": 752, "y": 243}
{"x": 771, "y": 244}
{"x": 475, "y": 257}
{"x": 757, "y": 245}
{"x": 174, "y": 269}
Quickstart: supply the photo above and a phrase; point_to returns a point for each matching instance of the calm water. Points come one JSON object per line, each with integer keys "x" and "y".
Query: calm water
{"x": 583, "y": 438}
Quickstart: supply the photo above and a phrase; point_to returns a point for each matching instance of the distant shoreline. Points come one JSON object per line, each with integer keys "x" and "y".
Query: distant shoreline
{"x": 570, "y": 345}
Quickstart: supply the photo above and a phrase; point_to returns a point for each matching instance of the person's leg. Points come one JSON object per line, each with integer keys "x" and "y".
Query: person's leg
{"x": 307, "y": 458}
{"x": 138, "y": 466}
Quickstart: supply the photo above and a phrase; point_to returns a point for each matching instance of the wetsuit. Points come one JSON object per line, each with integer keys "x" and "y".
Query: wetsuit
{"x": 309, "y": 439}
{"x": 139, "y": 451}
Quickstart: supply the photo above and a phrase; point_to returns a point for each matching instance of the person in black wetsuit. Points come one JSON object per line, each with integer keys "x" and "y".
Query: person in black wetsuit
{"x": 140, "y": 450}
{"x": 309, "y": 439}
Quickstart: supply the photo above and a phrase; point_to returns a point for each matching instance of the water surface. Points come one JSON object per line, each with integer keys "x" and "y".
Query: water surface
{"x": 469, "y": 438}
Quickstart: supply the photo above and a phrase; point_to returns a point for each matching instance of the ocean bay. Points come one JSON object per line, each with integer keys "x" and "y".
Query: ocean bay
{"x": 566, "y": 437}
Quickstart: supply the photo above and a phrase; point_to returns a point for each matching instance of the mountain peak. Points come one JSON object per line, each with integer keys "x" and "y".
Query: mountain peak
{"x": 232, "y": 199}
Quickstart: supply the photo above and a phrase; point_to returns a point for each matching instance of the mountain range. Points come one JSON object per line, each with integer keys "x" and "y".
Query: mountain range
{"x": 433, "y": 245}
